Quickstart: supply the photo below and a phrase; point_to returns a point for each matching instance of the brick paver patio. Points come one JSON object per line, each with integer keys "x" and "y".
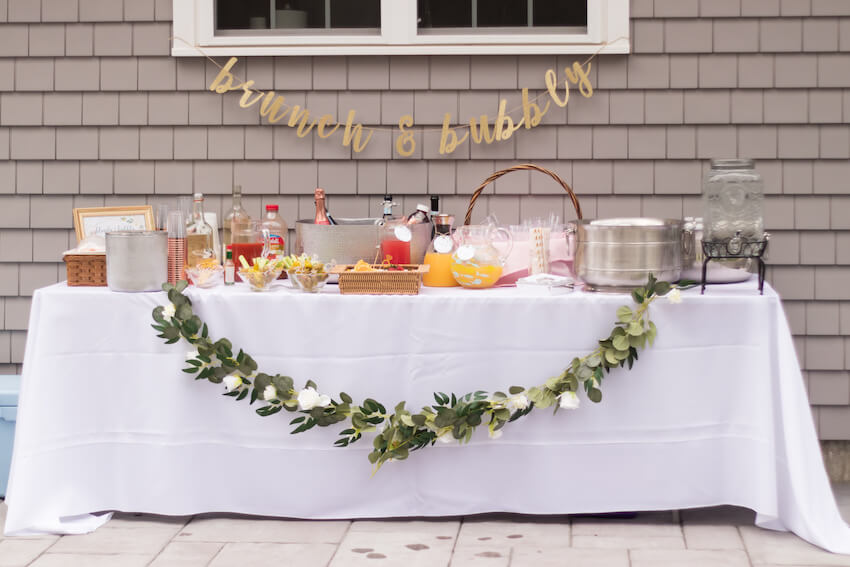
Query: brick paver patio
{"x": 722, "y": 536}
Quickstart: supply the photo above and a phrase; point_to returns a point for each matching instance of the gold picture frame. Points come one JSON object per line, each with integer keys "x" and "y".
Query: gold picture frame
{"x": 100, "y": 220}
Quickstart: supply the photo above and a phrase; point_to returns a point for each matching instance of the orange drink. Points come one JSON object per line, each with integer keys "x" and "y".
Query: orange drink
{"x": 440, "y": 273}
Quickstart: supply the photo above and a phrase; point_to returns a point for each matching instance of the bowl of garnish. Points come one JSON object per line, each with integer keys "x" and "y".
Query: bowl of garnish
{"x": 306, "y": 272}
{"x": 261, "y": 273}
{"x": 207, "y": 273}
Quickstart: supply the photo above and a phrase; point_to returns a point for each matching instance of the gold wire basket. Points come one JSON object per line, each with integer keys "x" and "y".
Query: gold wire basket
{"x": 406, "y": 281}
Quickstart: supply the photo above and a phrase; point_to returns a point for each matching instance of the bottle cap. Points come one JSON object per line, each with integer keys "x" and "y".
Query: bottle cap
{"x": 199, "y": 196}
{"x": 319, "y": 193}
{"x": 423, "y": 208}
{"x": 272, "y": 207}
{"x": 388, "y": 197}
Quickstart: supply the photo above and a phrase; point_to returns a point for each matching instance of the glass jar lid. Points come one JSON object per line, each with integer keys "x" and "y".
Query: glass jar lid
{"x": 736, "y": 163}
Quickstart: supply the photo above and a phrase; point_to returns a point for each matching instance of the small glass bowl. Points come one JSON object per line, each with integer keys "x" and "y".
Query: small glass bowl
{"x": 259, "y": 281}
{"x": 307, "y": 282}
{"x": 205, "y": 277}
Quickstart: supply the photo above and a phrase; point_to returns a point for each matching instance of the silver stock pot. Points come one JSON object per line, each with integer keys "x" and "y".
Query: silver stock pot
{"x": 619, "y": 254}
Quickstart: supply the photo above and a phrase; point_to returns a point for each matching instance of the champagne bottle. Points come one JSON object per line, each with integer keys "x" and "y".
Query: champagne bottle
{"x": 321, "y": 212}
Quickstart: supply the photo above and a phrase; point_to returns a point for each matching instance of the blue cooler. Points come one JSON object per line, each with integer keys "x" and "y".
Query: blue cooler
{"x": 9, "y": 388}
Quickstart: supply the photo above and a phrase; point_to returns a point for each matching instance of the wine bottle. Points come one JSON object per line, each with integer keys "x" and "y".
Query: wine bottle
{"x": 236, "y": 212}
{"x": 199, "y": 237}
{"x": 321, "y": 212}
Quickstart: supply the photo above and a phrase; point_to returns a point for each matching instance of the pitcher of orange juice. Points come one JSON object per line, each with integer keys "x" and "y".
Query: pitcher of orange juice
{"x": 439, "y": 254}
{"x": 477, "y": 263}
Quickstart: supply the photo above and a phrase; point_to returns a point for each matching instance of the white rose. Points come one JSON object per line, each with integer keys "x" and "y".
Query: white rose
{"x": 446, "y": 436}
{"x": 309, "y": 398}
{"x": 232, "y": 382}
{"x": 674, "y": 296}
{"x": 518, "y": 402}
{"x": 495, "y": 434}
{"x": 569, "y": 400}
{"x": 270, "y": 393}
{"x": 168, "y": 311}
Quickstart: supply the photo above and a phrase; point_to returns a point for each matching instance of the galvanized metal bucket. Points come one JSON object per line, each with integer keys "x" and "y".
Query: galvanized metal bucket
{"x": 351, "y": 240}
{"x": 619, "y": 254}
{"x": 136, "y": 260}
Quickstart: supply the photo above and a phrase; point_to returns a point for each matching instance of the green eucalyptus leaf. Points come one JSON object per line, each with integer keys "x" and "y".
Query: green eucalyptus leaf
{"x": 514, "y": 390}
{"x": 624, "y": 314}
{"x": 595, "y": 395}
{"x": 621, "y": 342}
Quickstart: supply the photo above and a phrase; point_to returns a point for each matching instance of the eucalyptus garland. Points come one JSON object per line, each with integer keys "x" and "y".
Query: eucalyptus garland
{"x": 452, "y": 418}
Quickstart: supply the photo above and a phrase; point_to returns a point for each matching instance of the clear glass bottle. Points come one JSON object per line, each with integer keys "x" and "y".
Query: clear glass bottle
{"x": 321, "y": 211}
{"x": 229, "y": 267}
{"x": 236, "y": 211}
{"x": 199, "y": 234}
{"x": 439, "y": 254}
{"x": 387, "y": 207}
{"x": 420, "y": 215}
{"x": 733, "y": 201}
{"x": 277, "y": 232}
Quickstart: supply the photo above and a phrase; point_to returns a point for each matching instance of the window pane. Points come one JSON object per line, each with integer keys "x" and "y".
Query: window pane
{"x": 560, "y": 13}
{"x": 294, "y": 14}
{"x": 445, "y": 13}
{"x": 501, "y": 13}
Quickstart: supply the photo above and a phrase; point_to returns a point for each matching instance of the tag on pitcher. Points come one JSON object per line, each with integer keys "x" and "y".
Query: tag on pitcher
{"x": 403, "y": 233}
{"x": 443, "y": 244}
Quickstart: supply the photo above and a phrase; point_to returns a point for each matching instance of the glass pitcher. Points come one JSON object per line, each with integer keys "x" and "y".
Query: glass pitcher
{"x": 439, "y": 254}
{"x": 249, "y": 240}
{"x": 477, "y": 263}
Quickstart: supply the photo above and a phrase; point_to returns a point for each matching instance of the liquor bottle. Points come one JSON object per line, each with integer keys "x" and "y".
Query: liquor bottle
{"x": 435, "y": 207}
{"x": 388, "y": 207}
{"x": 321, "y": 213}
{"x": 236, "y": 212}
{"x": 277, "y": 232}
{"x": 419, "y": 216}
{"x": 229, "y": 267}
{"x": 199, "y": 237}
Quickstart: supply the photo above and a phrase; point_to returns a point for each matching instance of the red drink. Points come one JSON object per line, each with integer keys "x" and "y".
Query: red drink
{"x": 249, "y": 250}
{"x": 398, "y": 251}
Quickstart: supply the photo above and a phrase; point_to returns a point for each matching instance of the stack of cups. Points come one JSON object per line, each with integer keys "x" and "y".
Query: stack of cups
{"x": 176, "y": 246}
{"x": 539, "y": 250}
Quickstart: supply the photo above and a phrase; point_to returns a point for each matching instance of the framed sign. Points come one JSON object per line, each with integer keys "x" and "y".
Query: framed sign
{"x": 100, "y": 220}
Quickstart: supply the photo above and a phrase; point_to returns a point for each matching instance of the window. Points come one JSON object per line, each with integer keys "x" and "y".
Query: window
{"x": 394, "y": 27}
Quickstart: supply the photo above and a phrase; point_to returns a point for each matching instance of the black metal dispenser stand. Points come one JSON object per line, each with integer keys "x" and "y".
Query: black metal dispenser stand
{"x": 735, "y": 248}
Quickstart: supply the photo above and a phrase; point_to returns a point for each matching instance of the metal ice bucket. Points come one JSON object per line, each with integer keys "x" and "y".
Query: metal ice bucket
{"x": 621, "y": 253}
{"x": 353, "y": 239}
{"x": 136, "y": 260}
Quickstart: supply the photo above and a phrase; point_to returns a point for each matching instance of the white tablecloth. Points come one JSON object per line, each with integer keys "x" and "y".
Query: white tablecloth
{"x": 716, "y": 413}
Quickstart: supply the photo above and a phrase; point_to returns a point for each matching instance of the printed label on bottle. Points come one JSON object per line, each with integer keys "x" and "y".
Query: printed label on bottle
{"x": 229, "y": 275}
{"x": 276, "y": 244}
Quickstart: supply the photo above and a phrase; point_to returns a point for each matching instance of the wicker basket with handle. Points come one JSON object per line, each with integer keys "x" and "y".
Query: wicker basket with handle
{"x": 521, "y": 167}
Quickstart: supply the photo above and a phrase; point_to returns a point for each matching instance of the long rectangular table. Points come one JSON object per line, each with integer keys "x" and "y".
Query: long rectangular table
{"x": 716, "y": 413}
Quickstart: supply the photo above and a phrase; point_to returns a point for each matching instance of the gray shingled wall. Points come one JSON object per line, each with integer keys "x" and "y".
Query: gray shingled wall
{"x": 94, "y": 111}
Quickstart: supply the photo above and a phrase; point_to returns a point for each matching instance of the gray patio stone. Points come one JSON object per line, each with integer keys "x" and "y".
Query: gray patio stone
{"x": 289, "y": 554}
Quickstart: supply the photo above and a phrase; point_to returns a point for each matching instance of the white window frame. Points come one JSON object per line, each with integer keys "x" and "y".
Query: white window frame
{"x": 194, "y": 23}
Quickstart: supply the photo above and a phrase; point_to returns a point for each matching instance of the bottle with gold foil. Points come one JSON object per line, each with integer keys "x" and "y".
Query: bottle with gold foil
{"x": 199, "y": 234}
{"x": 321, "y": 211}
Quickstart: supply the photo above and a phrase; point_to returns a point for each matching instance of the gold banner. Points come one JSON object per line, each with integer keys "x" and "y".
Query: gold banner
{"x": 480, "y": 130}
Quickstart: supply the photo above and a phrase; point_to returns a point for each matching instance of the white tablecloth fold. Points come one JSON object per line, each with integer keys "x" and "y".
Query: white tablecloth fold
{"x": 715, "y": 413}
